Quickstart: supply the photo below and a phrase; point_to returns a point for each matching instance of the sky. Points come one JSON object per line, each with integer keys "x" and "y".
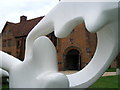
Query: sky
{"x": 11, "y": 10}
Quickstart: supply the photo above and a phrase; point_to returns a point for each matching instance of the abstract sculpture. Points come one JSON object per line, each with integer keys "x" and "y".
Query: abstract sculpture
{"x": 39, "y": 69}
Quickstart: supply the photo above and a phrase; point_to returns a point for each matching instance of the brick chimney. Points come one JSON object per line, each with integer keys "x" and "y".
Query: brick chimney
{"x": 23, "y": 18}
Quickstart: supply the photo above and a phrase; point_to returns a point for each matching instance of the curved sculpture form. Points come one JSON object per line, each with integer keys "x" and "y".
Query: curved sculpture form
{"x": 40, "y": 71}
{"x": 3, "y": 73}
{"x": 99, "y": 17}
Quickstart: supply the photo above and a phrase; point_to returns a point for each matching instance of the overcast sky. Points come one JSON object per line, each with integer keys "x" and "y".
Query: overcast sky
{"x": 11, "y": 10}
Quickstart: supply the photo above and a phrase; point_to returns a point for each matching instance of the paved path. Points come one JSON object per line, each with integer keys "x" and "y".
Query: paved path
{"x": 109, "y": 74}
{"x": 105, "y": 74}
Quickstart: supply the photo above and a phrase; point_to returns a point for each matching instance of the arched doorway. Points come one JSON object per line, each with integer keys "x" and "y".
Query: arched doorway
{"x": 72, "y": 60}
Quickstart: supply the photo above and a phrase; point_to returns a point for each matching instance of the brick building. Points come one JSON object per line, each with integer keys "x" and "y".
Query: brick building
{"x": 14, "y": 36}
{"x": 74, "y": 52}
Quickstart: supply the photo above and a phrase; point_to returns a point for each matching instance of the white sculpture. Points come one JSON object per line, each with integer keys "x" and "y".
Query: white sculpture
{"x": 40, "y": 57}
{"x": 38, "y": 71}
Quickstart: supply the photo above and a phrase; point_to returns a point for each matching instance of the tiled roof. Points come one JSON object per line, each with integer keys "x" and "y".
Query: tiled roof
{"x": 23, "y": 28}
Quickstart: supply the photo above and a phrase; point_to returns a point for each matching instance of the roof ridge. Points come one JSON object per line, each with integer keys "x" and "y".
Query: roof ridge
{"x": 10, "y": 22}
{"x": 36, "y": 18}
{"x": 23, "y": 28}
{"x": 31, "y": 19}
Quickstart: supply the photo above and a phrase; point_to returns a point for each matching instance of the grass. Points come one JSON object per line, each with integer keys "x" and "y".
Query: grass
{"x": 107, "y": 82}
{"x": 5, "y": 86}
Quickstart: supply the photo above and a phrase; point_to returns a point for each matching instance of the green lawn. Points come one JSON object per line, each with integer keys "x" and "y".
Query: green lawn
{"x": 5, "y": 86}
{"x": 107, "y": 82}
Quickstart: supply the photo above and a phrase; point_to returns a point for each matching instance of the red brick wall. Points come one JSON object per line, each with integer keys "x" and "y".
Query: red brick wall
{"x": 79, "y": 39}
{"x": 6, "y": 36}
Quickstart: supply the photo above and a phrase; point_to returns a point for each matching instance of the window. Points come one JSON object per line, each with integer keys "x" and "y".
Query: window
{"x": 18, "y": 44}
{"x": 88, "y": 50}
{"x": 9, "y": 42}
{"x": 4, "y": 43}
{"x": 4, "y": 33}
{"x": 0, "y": 42}
{"x": 59, "y": 62}
{"x": 8, "y": 32}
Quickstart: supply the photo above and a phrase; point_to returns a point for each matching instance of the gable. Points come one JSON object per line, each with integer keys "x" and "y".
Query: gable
{"x": 7, "y": 30}
{"x": 22, "y": 28}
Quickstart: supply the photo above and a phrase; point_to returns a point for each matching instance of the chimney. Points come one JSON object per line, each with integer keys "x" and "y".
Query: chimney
{"x": 23, "y": 18}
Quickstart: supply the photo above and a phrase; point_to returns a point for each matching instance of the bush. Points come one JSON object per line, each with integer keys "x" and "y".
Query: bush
{"x": 111, "y": 70}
